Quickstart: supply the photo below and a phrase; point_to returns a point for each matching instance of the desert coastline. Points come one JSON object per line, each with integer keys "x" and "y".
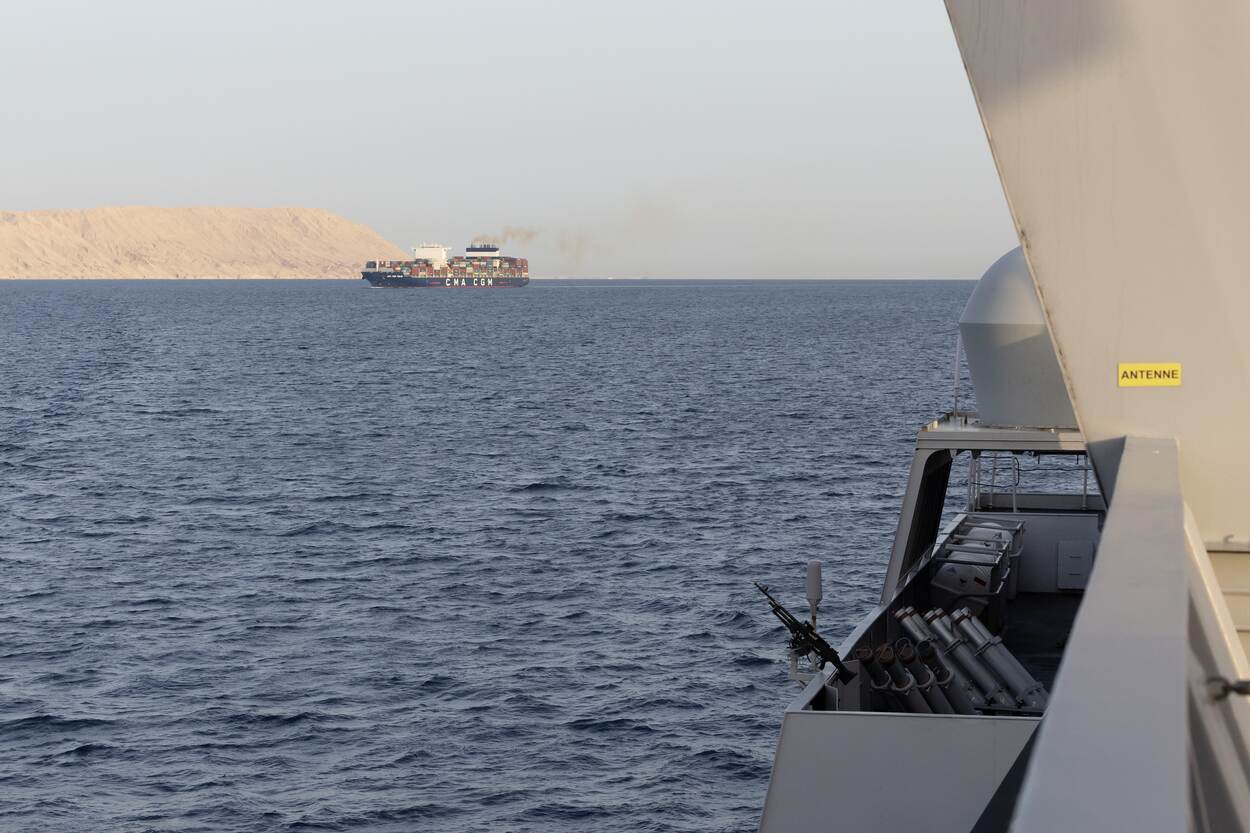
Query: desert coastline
{"x": 185, "y": 243}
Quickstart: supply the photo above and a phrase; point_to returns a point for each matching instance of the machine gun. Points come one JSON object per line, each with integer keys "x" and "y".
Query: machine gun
{"x": 804, "y": 640}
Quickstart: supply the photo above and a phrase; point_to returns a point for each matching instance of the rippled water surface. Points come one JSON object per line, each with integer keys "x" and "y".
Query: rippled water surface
{"x": 308, "y": 556}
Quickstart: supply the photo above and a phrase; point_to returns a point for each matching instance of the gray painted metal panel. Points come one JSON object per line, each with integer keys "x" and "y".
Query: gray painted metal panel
{"x": 865, "y": 771}
{"x": 1074, "y": 563}
{"x": 1219, "y": 729}
{"x": 1110, "y": 757}
{"x": 1120, "y": 131}
{"x": 894, "y": 571}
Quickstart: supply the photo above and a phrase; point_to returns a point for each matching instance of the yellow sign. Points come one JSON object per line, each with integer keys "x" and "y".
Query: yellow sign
{"x": 1149, "y": 375}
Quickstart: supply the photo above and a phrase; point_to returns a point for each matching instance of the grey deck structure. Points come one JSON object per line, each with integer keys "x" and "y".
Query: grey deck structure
{"x": 1119, "y": 129}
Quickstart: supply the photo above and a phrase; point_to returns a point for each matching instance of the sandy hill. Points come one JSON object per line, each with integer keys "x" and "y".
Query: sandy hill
{"x": 186, "y": 243}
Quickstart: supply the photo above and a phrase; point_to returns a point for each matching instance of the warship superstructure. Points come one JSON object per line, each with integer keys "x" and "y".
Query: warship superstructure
{"x": 949, "y": 677}
{"x": 1061, "y": 643}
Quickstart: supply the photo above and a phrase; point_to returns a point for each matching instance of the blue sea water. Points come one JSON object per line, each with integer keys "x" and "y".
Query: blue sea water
{"x": 304, "y": 556}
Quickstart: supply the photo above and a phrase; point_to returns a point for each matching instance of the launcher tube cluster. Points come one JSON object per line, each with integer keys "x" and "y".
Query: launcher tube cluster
{"x": 995, "y": 693}
{"x": 926, "y": 680}
{"x": 1027, "y": 691}
{"x": 901, "y": 682}
{"x": 919, "y": 630}
{"x": 881, "y": 682}
{"x": 970, "y": 668}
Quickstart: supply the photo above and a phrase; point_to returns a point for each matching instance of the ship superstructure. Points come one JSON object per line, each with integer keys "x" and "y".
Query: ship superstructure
{"x": 481, "y": 266}
{"x": 1069, "y": 659}
{"x": 948, "y": 679}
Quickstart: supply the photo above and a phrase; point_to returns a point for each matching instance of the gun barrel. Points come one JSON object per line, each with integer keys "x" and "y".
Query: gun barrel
{"x": 805, "y": 640}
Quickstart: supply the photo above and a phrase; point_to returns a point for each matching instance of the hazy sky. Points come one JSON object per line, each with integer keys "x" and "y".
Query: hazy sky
{"x": 644, "y": 138}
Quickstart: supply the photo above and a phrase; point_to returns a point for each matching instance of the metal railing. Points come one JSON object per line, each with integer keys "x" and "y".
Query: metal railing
{"x": 1134, "y": 738}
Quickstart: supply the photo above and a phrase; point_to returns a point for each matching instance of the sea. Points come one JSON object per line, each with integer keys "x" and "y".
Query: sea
{"x": 308, "y": 556}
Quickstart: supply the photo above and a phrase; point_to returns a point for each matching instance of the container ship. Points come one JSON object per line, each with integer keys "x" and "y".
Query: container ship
{"x": 480, "y": 267}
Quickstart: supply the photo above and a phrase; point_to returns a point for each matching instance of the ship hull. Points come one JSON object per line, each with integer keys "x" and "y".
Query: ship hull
{"x": 398, "y": 280}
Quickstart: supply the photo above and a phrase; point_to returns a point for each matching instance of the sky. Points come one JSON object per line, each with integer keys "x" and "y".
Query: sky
{"x": 640, "y": 139}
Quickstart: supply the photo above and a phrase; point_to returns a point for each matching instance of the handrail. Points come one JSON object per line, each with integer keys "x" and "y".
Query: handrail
{"x": 1152, "y": 632}
{"x": 1123, "y": 678}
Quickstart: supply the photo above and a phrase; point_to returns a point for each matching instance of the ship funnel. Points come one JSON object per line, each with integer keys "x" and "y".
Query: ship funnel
{"x": 1014, "y": 370}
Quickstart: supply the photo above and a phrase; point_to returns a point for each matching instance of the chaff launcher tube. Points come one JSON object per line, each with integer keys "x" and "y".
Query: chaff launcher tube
{"x": 912, "y": 624}
{"x": 1028, "y": 691}
{"x": 916, "y": 627}
{"x": 995, "y": 695}
{"x": 955, "y": 689}
{"x": 926, "y": 680}
{"x": 1010, "y": 658}
{"x": 880, "y": 679}
{"x": 904, "y": 686}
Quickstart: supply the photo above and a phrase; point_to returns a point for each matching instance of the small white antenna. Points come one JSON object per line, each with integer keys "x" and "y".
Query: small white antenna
{"x": 814, "y": 592}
